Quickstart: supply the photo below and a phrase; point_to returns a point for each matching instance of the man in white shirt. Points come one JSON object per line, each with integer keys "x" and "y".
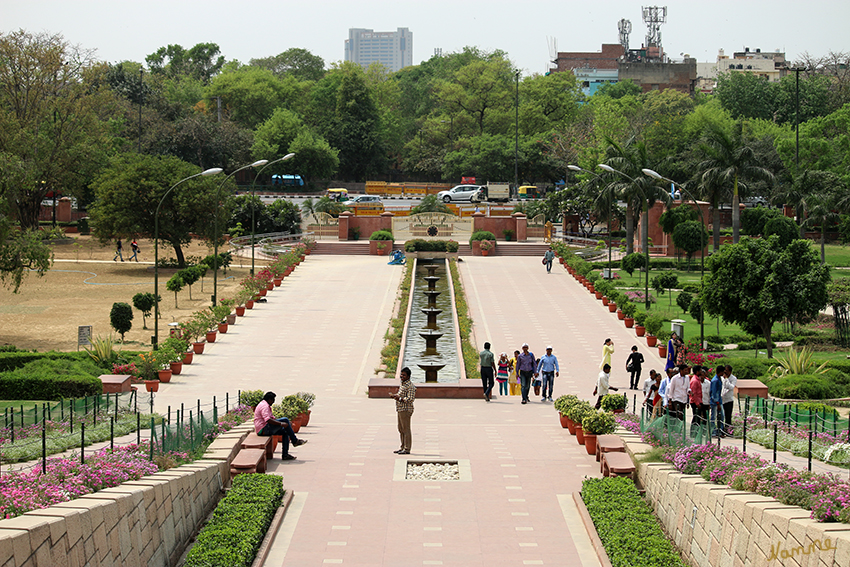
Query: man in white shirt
{"x": 665, "y": 383}
{"x": 677, "y": 392}
{"x": 727, "y": 396}
{"x": 602, "y": 384}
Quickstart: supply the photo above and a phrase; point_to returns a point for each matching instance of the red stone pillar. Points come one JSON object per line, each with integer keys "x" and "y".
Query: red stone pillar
{"x": 387, "y": 221}
{"x": 344, "y": 222}
{"x": 521, "y": 226}
{"x": 63, "y": 210}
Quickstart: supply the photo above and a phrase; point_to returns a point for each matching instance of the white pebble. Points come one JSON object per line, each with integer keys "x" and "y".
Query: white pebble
{"x": 433, "y": 471}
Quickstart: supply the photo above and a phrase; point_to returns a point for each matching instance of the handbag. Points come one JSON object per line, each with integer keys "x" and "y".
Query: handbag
{"x": 544, "y": 261}
{"x": 630, "y": 367}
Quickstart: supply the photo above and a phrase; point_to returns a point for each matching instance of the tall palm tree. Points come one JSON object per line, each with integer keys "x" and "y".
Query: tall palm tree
{"x": 713, "y": 191}
{"x": 820, "y": 212}
{"x": 812, "y": 189}
{"x": 730, "y": 160}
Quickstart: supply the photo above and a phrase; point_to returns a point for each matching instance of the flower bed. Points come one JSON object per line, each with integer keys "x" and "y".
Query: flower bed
{"x": 629, "y": 530}
{"x": 239, "y": 522}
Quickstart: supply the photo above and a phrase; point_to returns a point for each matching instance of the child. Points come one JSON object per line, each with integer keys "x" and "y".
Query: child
{"x": 503, "y": 369}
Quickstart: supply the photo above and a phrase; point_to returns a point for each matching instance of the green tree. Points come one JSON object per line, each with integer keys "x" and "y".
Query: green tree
{"x": 821, "y": 214}
{"x": 21, "y": 251}
{"x": 757, "y": 282}
{"x": 783, "y": 227}
{"x": 355, "y": 128}
{"x": 285, "y": 216}
{"x": 690, "y": 236}
{"x": 746, "y": 95}
{"x": 618, "y": 89}
{"x": 144, "y": 302}
{"x": 121, "y": 318}
{"x": 314, "y": 157}
{"x": 684, "y": 301}
{"x": 695, "y": 309}
{"x": 295, "y": 62}
{"x": 430, "y": 204}
{"x": 481, "y": 90}
{"x": 753, "y": 219}
{"x": 632, "y": 262}
{"x": 129, "y": 190}
{"x": 250, "y": 94}
{"x": 175, "y": 284}
{"x": 201, "y": 62}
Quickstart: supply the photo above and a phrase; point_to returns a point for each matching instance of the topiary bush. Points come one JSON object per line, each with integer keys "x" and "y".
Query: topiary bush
{"x": 420, "y": 245}
{"x": 381, "y": 235}
{"x": 684, "y": 301}
{"x": 805, "y": 387}
{"x": 121, "y": 318}
{"x": 632, "y": 262}
{"x": 481, "y": 235}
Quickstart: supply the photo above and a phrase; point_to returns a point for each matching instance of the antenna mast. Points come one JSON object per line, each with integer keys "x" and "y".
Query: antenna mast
{"x": 625, "y": 27}
{"x": 653, "y": 17}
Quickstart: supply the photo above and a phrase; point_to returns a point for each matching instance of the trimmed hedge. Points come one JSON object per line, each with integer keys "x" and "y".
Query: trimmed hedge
{"x": 807, "y": 387}
{"x": 239, "y": 523}
{"x": 381, "y": 235}
{"x": 13, "y": 386}
{"x": 630, "y": 532}
{"x": 481, "y": 235}
{"x": 17, "y": 359}
{"x": 420, "y": 245}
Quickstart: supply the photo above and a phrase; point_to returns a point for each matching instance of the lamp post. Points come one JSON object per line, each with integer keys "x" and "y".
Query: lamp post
{"x": 253, "y": 183}
{"x": 609, "y": 169}
{"x": 655, "y": 175}
{"x": 215, "y": 226}
{"x": 516, "y": 137}
{"x": 610, "y": 200}
{"x": 213, "y": 171}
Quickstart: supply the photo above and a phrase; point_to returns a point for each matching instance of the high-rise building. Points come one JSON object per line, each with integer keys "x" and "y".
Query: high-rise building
{"x": 394, "y": 50}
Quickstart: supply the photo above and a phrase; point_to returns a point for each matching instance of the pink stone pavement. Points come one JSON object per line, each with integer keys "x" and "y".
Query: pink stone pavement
{"x": 322, "y": 331}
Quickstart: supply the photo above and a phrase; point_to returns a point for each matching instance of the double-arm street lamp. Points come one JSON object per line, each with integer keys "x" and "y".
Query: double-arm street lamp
{"x": 655, "y": 175}
{"x": 215, "y": 225}
{"x": 253, "y": 183}
{"x": 610, "y": 201}
{"x": 213, "y": 171}
{"x": 609, "y": 169}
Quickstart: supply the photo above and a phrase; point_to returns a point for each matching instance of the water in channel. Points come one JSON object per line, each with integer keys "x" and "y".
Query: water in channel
{"x": 415, "y": 348}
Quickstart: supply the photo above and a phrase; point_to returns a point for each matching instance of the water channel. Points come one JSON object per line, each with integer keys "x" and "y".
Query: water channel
{"x": 415, "y": 350}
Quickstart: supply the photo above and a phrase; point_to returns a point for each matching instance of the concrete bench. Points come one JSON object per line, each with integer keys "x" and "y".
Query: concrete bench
{"x": 617, "y": 464}
{"x": 254, "y": 441}
{"x": 116, "y": 383}
{"x": 608, "y": 444}
{"x": 248, "y": 461}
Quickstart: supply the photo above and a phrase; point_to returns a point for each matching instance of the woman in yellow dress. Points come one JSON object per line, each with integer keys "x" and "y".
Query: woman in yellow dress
{"x": 607, "y": 351}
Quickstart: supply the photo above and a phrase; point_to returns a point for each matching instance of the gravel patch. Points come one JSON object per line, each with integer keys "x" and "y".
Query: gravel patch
{"x": 433, "y": 471}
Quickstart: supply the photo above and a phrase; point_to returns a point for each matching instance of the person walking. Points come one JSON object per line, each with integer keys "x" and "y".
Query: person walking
{"x": 727, "y": 394}
{"x": 633, "y": 365}
{"x": 526, "y": 365}
{"x": 118, "y": 250}
{"x": 603, "y": 384}
{"x": 705, "y": 406}
{"x": 650, "y": 392}
{"x": 266, "y": 424}
{"x": 695, "y": 398}
{"x": 716, "y": 401}
{"x": 404, "y": 407}
{"x": 547, "y": 367}
{"x": 488, "y": 370}
{"x": 502, "y": 372}
{"x": 607, "y": 351}
{"x": 674, "y": 345}
{"x": 135, "y": 248}
{"x": 548, "y": 257}
{"x": 513, "y": 381}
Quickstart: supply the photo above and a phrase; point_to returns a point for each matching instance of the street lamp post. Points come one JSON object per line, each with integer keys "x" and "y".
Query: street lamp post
{"x": 215, "y": 226}
{"x": 610, "y": 200}
{"x": 253, "y": 183}
{"x": 655, "y": 175}
{"x": 609, "y": 169}
{"x": 213, "y": 171}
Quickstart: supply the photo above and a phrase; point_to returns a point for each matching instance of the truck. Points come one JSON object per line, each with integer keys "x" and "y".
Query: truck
{"x": 494, "y": 192}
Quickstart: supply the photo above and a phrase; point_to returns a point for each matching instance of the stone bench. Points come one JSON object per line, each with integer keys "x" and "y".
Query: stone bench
{"x": 608, "y": 444}
{"x": 248, "y": 461}
{"x": 618, "y": 464}
{"x": 254, "y": 441}
{"x": 116, "y": 383}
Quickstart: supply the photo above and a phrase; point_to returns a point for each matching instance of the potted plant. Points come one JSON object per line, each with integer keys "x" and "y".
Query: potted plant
{"x": 147, "y": 368}
{"x": 309, "y": 398}
{"x": 231, "y": 316}
{"x": 218, "y": 316}
{"x": 597, "y": 423}
{"x": 485, "y": 245}
{"x": 178, "y": 346}
{"x": 380, "y": 242}
{"x": 614, "y": 403}
{"x": 509, "y": 235}
{"x": 562, "y": 405}
{"x": 629, "y": 309}
{"x": 192, "y": 331}
{"x": 653, "y": 325}
{"x": 163, "y": 358}
{"x": 577, "y": 413}
{"x": 663, "y": 337}
{"x": 640, "y": 319}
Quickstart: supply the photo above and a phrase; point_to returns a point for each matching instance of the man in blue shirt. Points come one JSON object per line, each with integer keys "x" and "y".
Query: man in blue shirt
{"x": 548, "y": 366}
{"x": 716, "y": 402}
{"x": 526, "y": 368}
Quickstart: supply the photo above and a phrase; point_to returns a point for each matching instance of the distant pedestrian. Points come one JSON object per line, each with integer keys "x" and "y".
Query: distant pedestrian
{"x": 404, "y": 407}
{"x": 730, "y": 382}
{"x": 633, "y": 365}
{"x": 135, "y": 248}
{"x": 502, "y": 373}
{"x": 650, "y": 392}
{"x": 603, "y": 384}
{"x": 514, "y": 377}
{"x": 488, "y": 370}
{"x": 548, "y": 257}
{"x": 607, "y": 351}
{"x": 716, "y": 401}
{"x": 674, "y": 345}
{"x": 118, "y": 250}
{"x": 547, "y": 367}
{"x": 526, "y": 365}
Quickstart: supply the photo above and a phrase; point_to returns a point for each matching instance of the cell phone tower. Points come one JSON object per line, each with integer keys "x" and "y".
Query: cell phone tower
{"x": 625, "y": 27}
{"x": 653, "y": 17}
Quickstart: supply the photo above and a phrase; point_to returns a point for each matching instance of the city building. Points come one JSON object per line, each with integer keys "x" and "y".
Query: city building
{"x": 592, "y": 68}
{"x": 658, "y": 75}
{"x": 769, "y": 65}
{"x": 393, "y": 50}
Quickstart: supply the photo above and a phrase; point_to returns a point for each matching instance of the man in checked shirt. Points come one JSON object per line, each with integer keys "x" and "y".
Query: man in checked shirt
{"x": 404, "y": 406}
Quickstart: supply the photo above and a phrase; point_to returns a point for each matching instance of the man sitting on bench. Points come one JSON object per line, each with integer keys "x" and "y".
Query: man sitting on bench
{"x": 266, "y": 424}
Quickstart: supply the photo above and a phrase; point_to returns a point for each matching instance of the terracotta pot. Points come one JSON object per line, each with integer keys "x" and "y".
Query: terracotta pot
{"x": 262, "y": 292}
{"x": 231, "y": 319}
{"x": 571, "y": 426}
{"x": 198, "y": 348}
{"x": 605, "y": 301}
{"x": 564, "y": 420}
{"x": 303, "y": 257}
{"x": 640, "y": 330}
{"x": 288, "y": 271}
{"x": 296, "y": 425}
{"x": 620, "y": 315}
{"x": 164, "y": 375}
{"x": 651, "y": 340}
{"x": 240, "y": 311}
{"x": 249, "y": 304}
{"x": 270, "y": 286}
{"x": 619, "y": 411}
{"x": 598, "y": 294}
{"x": 579, "y": 435}
{"x": 307, "y": 421}
{"x": 211, "y": 336}
{"x": 188, "y": 356}
{"x": 176, "y": 367}
{"x": 152, "y": 385}
{"x": 630, "y": 322}
{"x": 590, "y": 443}
{"x": 662, "y": 351}
{"x": 277, "y": 281}
{"x": 591, "y": 289}
{"x": 302, "y": 419}
{"x": 485, "y": 252}
{"x": 612, "y": 307}
{"x": 222, "y": 328}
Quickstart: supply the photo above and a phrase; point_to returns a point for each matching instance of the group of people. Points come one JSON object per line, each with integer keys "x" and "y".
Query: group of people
{"x": 711, "y": 399}
{"x": 119, "y": 251}
{"x": 521, "y": 372}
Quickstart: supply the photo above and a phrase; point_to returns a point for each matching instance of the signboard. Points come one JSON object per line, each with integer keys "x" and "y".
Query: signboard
{"x": 83, "y": 336}
{"x": 467, "y": 180}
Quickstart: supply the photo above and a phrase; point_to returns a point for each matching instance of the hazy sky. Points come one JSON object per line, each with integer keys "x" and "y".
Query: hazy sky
{"x": 122, "y": 30}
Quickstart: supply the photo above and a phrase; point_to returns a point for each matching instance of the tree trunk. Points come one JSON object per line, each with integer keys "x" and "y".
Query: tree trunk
{"x": 822, "y": 246}
{"x": 766, "y": 330}
{"x": 801, "y": 217}
{"x": 715, "y": 228}
{"x": 178, "y": 251}
{"x": 736, "y": 213}
{"x": 630, "y": 229}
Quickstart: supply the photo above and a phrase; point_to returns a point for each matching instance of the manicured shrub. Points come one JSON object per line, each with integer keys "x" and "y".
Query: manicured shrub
{"x": 632, "y": 262}
{"x": 481, "y": 235}
{"x": 805, "y": 387}
{"x": 251, "y": 397}
{"x": 121, "y": 318}
{"x": 381, "y": 235}
{"x": 15, "y": 386}
{"x": 420, "y": 245}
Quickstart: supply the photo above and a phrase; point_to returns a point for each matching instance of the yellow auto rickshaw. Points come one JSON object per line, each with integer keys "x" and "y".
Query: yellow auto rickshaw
{"x": 338, "y": 194}
{"x": 527, "y": 192}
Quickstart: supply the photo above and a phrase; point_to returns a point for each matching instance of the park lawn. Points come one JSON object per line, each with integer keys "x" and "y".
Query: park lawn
{"x": 837, "y": 254}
